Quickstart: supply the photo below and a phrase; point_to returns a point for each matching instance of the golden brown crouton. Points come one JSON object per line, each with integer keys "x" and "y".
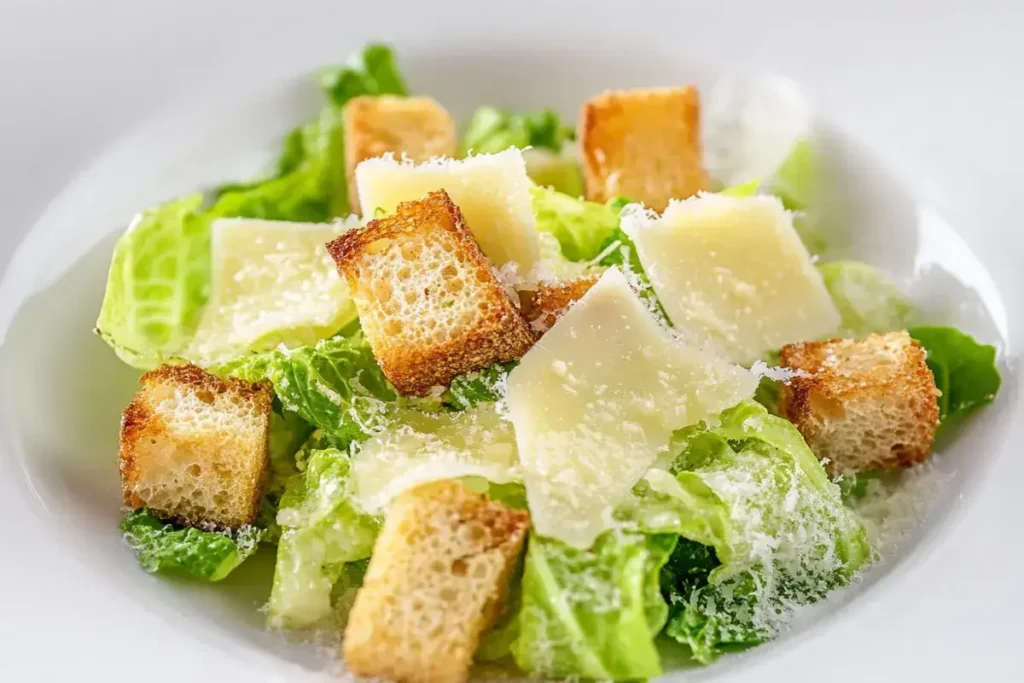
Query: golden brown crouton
{"x": 437, "y": 579}
{"x": 418, "y": 127}
{"x": 642, "y": 144}
{"x": 429, "y": 301}
{"x": 543, "y": 305}
{"x": 862, "y": 404}
{"x": 194, "y": 447}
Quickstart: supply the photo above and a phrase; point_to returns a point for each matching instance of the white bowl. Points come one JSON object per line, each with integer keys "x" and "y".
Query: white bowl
{"x": 75, "y": 596}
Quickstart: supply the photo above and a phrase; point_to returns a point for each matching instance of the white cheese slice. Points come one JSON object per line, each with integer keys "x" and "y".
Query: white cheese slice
{"x": 596, "y": 400}
{"x": 732, "y": 274}
{"x": 273, "y": 283}
{"x": 491, "y": 190}
{"x": 422, "y": 447}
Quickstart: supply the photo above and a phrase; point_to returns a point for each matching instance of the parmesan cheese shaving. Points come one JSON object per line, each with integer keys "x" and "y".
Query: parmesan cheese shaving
{"x": 421, "y": 447}
{"x": 732, "y": 274}
{"x": 273, "y": 283}
{"x": 491, "y": 190}
{"x": 596, "y": 401}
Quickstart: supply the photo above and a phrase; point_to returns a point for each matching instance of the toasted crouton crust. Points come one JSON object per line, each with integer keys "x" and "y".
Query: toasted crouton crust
{"x": 862, "y": 404}
{"x": 429, "y": 301}
{"x": 546, "y": 303}
{"x": 643, "y": 144}
{"x": 437, "y": 579}
{"x": 418, "y": 127}
{"x": 194, "y": 447}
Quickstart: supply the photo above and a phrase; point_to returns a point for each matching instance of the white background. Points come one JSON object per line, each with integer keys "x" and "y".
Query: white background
{"x": 936, "y": 87}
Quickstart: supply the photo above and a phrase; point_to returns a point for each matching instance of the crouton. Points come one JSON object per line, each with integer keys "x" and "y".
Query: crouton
{"x": 418, "y": 127}
{"x": 194, "y": 447}
{"x": 862, "y": 404}
{"x": 429, "y": 301}
{"x": 437, "y": 579}
{"x": 543, "y": 305}
{"x": 643, "y": 144}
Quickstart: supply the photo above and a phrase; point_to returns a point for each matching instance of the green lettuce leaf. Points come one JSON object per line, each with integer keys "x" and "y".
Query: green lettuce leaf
{"x": 688, "y": 569}
{"x": 157, "y": 283}
{"x": 581, "y": 227}
{"x": 867, "y": 301}
{"x": 964, "y": 370}
{"x": 484, "y": 386}
{"x": 207, "y": 555}
{"x": 306, "y": 185}
{"x": 372, "y": 71}
{"x": 496, "y": 643}
{"x": 753, "y": 492}
{"x": 769, "y": 390}
{"x": 288, "y": 433}
{"x": 321, "y": 533}
{"x": 335, "y": 385}
{"x": 543, "y": 137}
{"x": 747, "y": 189}
{"x": 592, "y": 613}
{"x": 160, "y": 274}
{"x": 618, "y": 250}
{"x": 558, "y": 171}
{"x": 796, "y": 181}
{"x": 491, "y": 130}
{"x": 343, "y": 594}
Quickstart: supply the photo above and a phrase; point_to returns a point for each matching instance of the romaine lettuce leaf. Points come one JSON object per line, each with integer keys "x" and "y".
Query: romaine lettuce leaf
{"x": 550, "y": 161}
{"x": 618, "y": 250}
{"x": 419, "y": 447}
{"x": 343, "y": 595}
{"x": 335, "y": 385}
{"x": 750, "y": 489}
{"x": 747, "y": 189}
{"x": 680, "y": 504}
{"x": 321, "y": 532}
{"x": 553, "y": 265}
{"x": 964, "y": 370}
{"x": 797, "y": 183}
{"x": 688, "y": 569}
{"x": 491, "y": 130}
{"x": 157, "y": 284}
{"x": 796, "y": 180}
{"x": 769, "y": 390}
{"x": 160, "y": 273}
{"x": 496, "y": 643}
{"x": 581, "y": 227}
{"x": 207, "y": 555}
{"x": 559, "y": 171}
{"x": 866, "y": 299}
{"x": 372, "y": 71}
{"x": 288, "y": 432}
{"x": 592, "y": 613}
{"x": 308, "y": 184}
{"x": 484, "y": 386}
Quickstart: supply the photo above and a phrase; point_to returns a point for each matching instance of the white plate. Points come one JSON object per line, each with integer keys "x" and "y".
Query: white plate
{"x": 113, "y": 105}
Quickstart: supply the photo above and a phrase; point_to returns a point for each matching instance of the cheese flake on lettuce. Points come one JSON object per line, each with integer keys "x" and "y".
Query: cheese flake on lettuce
{"x": 419, "y": 447}
{"x": 273, "y": 283}
{"x": 732, "y": 274}
{"x": 597, "y": 400}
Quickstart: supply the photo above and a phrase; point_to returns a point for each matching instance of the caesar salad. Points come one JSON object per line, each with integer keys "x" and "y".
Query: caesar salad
{"x": 521, "y": 393}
